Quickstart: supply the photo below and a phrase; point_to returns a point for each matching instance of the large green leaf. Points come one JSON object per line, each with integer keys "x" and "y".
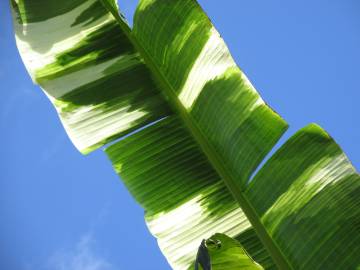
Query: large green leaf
{"x": 191, "y": 171}
{"x": 247, "y": 115}
{"x": 230, "y": 123}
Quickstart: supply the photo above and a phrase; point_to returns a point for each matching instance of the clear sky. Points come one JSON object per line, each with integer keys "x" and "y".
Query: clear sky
{"x": 60, "y": 210}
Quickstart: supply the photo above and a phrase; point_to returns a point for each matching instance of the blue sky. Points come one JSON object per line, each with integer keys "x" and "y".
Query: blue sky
{"x": 60, "y": 210}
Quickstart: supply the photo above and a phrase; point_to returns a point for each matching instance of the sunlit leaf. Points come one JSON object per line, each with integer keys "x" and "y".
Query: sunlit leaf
{"x": 205, "y": 130}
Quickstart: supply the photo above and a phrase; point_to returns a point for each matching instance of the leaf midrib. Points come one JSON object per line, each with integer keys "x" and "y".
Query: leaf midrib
{"x": 209, "y": 151}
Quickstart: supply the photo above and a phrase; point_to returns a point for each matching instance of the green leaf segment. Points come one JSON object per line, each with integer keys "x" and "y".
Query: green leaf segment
{"x": 191, "y": 168}
{"x": 221, "y": 252}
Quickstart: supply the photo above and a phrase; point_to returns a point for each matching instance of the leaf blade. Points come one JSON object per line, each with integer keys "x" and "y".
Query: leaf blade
{"x": 88, "y": 68}
{"x": 313, "y": 202}
{"x": 183, "y": 197}
{"x": 180, "y": 44}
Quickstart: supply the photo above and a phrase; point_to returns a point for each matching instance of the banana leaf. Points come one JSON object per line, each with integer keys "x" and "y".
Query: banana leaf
{"x": 202, "y": 131}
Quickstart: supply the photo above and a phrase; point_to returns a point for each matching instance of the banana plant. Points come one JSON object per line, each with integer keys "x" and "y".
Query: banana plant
{"x": 186, "y": 130}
